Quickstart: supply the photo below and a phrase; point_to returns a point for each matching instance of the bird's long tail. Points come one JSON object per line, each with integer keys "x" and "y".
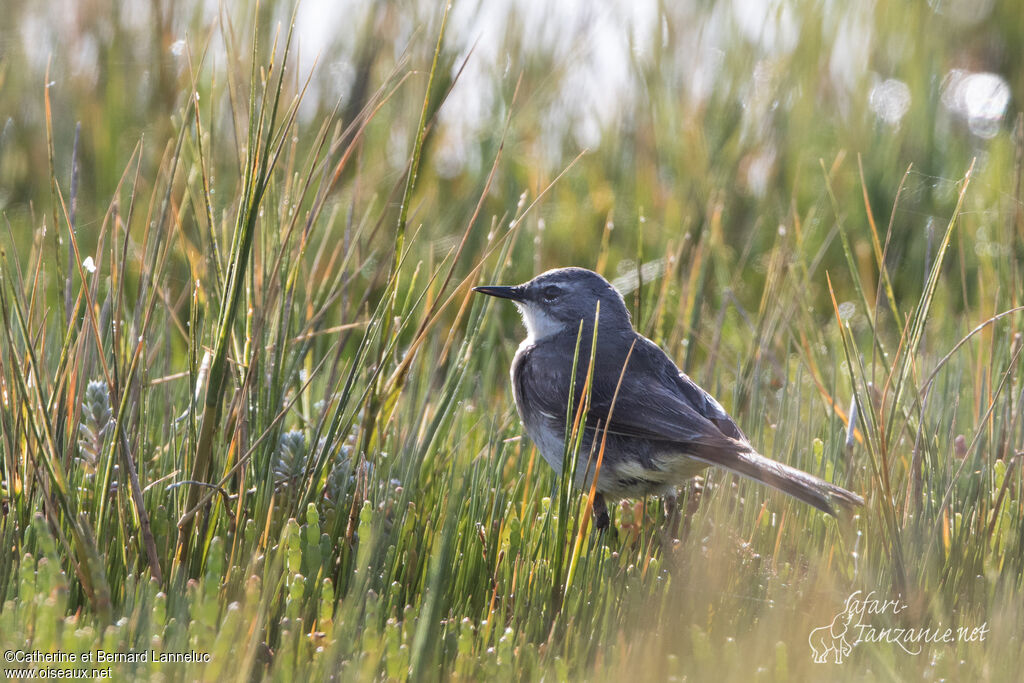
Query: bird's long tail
{"x": 742, "y": 460}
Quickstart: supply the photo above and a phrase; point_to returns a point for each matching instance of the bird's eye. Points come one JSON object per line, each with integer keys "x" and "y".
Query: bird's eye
{"x": 550, "y": 293}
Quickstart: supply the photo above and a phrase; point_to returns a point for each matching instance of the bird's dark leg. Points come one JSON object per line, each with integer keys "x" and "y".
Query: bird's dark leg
{"x": 671, "y": 500}
{"x": 600, "y": 513}
{"x": 696, "y": 488}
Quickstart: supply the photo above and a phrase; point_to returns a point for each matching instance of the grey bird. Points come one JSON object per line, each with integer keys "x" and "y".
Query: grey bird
{"x": 663, "y": 429}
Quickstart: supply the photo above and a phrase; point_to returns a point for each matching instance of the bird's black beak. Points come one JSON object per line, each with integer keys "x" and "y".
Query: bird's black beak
{"x": 503, "y": 292}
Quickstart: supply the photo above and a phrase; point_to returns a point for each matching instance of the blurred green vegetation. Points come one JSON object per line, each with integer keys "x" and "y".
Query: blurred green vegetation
{"x": 327, "y": 480}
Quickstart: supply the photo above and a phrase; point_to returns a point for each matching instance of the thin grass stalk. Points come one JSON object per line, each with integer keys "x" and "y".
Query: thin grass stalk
{"x": 85, "y": 558}
{"x": 589, "y": 508}
{"x": 851, "y": 263}
{"x": 570, "y": 460}
{"x": 884, "y": 281}
{"x": 421, "y": 131}
{"x": 921, "y": 313}
{"x": 256, "y": 179}
{"x": 878, "y": 466}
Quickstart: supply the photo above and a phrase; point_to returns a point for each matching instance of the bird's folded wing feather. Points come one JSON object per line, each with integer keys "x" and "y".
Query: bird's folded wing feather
{"x": 654, "y": 401}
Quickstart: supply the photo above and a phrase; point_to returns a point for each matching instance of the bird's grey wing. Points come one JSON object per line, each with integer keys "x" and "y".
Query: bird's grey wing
{"x": 705, "y": 404}
{"x": 657, "y": 401}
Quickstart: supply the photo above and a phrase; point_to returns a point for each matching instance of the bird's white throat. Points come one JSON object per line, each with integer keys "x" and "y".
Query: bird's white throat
{"x": 539, "y": 324}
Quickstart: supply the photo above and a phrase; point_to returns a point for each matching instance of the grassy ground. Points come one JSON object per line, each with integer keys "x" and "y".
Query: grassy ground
{"x": 252, "y": 411}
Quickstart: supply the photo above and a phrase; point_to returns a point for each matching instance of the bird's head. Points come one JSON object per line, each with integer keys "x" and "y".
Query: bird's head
{"x": 562, "y": 298}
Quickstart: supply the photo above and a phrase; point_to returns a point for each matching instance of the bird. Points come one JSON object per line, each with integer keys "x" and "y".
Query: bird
{"x": 659, "y": 428}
